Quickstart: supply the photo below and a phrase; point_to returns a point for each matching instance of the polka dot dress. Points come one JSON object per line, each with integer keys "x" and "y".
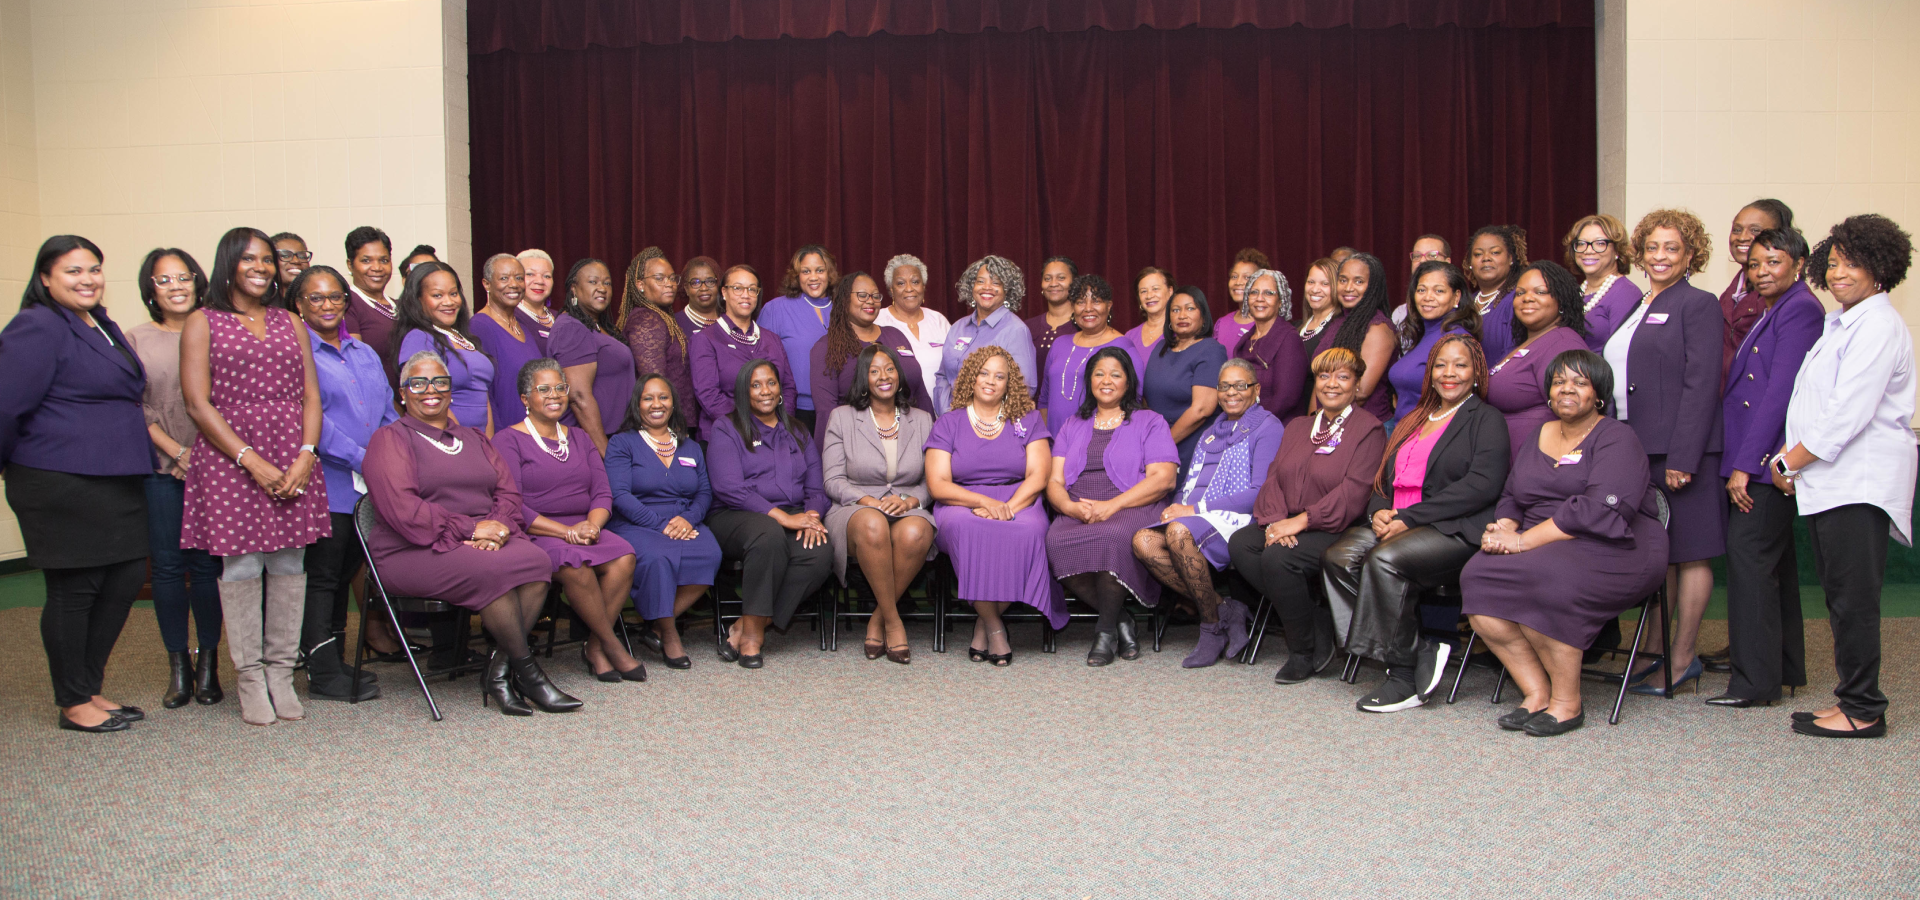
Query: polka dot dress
{"x": 259, "y": 387}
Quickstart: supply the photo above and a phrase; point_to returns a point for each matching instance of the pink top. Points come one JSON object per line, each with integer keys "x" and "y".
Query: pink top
{"x": 1410, "y": 467}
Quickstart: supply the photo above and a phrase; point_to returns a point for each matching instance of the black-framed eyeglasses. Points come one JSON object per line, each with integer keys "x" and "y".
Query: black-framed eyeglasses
{"x": 437, "y": 385}
{"x": 865, "y": 297}
{"x": 751, "y": 290}
{"x": 1597, "y": 245}
{"x": 184, "y": 280}
{"x": 702, "y": 282}
{"x": 334, "y": 299}
{"x": 1235, "y": 387}
{"x": 294, "y": 255}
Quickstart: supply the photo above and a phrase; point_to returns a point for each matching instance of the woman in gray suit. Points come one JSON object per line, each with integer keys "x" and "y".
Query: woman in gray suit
{"x": 872, "y": 460}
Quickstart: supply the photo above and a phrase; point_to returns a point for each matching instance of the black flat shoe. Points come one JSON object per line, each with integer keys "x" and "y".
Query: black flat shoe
{"x": 1543, "y": 724}
{"x": 1298, "y": 667}
{"x": 1813, "y": 729}
{"x": 752, "y": 661}
{"x": 129, "y": 713}
{"x": 1129, "y": 645}
{"x": 1516, "y": 720}
{"x": 1732, "y": 702}
{"x": 679, "y": 662}
{"x": 637, "y": 673}
{"x": 1105, "y": 646}
{"x": 728, "y": 652}
{"x": 1804, "y": 717}
{"x": 113, "y": 723}
{"x": 609, "y": 676}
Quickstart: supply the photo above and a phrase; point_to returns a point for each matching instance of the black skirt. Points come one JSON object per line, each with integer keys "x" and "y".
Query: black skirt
{"x": 73, "y": 521}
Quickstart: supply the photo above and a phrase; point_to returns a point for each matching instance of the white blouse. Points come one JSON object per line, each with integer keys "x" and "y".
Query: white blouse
{"x": 1852, "y": 407}
{"x": 1616, "y": 355}
{"x": 929, "y": 345}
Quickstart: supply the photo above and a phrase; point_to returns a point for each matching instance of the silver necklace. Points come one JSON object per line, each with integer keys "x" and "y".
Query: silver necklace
{"x": 455, "y": 337}
{"x": 562, "y": 452}
{"x": 667, "y": 448}
{"x": 886, "y": 433}
{"x": 1120, "y": 415}
{"x": 744, "y": 337}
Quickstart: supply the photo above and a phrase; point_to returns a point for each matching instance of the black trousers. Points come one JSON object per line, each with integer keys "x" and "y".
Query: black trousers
{"x": 1850, "y": 550}
{"x": 777, "y": 573}
{"x": 331, "y": 564}
{"x": 1283, "y": 575}
{"x": 1381, "y": 583}
{"x": 1764, "y": 630}
{"x": 81, "y": 621}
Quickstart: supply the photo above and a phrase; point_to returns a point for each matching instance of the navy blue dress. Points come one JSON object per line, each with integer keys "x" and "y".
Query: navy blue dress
{"x": 646, "y": 496}
{"x": 1170, "y": 379}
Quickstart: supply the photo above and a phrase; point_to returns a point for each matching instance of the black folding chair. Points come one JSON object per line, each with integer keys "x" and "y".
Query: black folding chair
{"x": 854, "y": 602}
{"x": 949, "y": 607}
{"x": 363, "y": 521}
{"x": 726, "y": 595}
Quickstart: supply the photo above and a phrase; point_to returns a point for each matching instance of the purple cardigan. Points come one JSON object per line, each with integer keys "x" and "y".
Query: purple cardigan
{"x": 780, "y": 471}
{"x": 1609, "y": 311}
{"x": 1141, "y": 440}
{"x": 71, "y": 402}
{"x": 1760, "y": 380}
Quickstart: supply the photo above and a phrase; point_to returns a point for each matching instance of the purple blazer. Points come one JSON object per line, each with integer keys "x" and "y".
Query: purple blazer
{"x": 1760, "y": 380}
{"x": 1673, "y": 377}
{"x": 1142, "y": 439}
{"x": 781, "y": 471}
{"x": 71, "y": 402}
{"x": 717, "y": 355}
{"x": 1609, "y": 311}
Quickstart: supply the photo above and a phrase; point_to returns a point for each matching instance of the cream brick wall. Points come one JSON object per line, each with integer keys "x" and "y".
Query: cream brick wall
{"x": 20, "y": 233}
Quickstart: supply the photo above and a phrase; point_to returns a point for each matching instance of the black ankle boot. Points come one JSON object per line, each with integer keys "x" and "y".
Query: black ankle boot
{"x": 206, "y": 677}
{"x": 532, "y": 683}
{"x": 1104, "y": 647}
{"x": 328, "y": 678}
{"x": 1129, "y": 645}
{"x": 495, "y": 686}
{"x": 179, "y": 680}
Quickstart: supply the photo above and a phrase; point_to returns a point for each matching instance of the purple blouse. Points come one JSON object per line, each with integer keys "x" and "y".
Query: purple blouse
{"x": 779, "y": 472}
{"x": 1516, "y": 386}
{"x": 1140, "y": 441}
{"x": 572, "y": 344}
{"x": 718, "y": 353}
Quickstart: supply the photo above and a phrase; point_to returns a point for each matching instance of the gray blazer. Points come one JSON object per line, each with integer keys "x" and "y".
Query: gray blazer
{"x": 854, "y": 465}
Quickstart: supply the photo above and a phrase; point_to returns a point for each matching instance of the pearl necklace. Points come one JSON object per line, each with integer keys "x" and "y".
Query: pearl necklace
{"x": 1441, "y": 415}
{"x": 560, "y": 454}
{"x": 886, "y": 434}
{"x": 1109, "y": 426}
{"x": 745, "y": 337}
{"x": 455, "y": 337}
{"x": 1602, "y": 291}
{"x": 1072, "y": 392}
{"x": 672, "y": 443}
{"x": 1333, "y": 431}
{"x": 1309, "y": 329}
{"x": 988, "y": 431}
{"x": 540, "y": 317}
{"x": 443, "y": 448}
{"x": 697, "y": 320}
{"x": 1484, "y": 301}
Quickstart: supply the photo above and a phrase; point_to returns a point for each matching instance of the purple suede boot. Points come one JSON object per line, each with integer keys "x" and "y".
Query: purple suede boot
{"x": 1213, "y": 639}
{"x": 1235, "y": 616}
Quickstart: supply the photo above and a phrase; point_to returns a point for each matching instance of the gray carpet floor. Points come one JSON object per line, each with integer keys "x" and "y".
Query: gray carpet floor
{"x": 825, "y": 775}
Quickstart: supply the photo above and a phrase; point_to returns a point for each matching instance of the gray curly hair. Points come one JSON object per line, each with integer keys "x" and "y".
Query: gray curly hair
{"x": 1283, "y": 308}
{"x": 904, "y": 260}
{"x": 1002, "y": 270}
{"x": 419, "y": 359}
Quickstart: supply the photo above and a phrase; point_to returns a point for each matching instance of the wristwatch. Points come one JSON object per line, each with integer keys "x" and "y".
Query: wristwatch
{"x": 1779, "y": 464}
{"x": 306, "y": 448}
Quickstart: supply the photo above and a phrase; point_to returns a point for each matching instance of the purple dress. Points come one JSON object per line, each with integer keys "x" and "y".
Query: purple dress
{"x": 259, "y": 387}
{"x": 429, "y": 496}
{"x": 563, "y": 490}
{"x": 1228, "y": 331}
{"x": 1606, "y": 311}
{"x": 1280, "y": 366}
{"x": 1516, "y": 386}
{"x": 718, "y": 353}
{"x": 473, "y": 377}
{"x": 1619, "y": 549}
{"x": 1102, "y": 465}
{"x": 1066, "y": 375}
{"x": 1229, "y": 464}
{"x": 654, "y": 349}
{"x": 646, "y": 496}
{"x": 1045, "y": 337}
{"x": 508, "y": 355}
{"x": 573, "y": 344}
{"x": 994, "y": 560}
{"x": 831, "y": 390}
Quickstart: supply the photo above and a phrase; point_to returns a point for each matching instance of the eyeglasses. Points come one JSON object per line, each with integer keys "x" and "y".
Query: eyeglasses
{"x": 335, "y": 299}
{"x": 1235, "y": 387}
{"x": 751, "y": 290}
{"x": 438, "y": 385}
{"x": 663, "y": 279}
{"x": 292, "y": 255}
{"x": 702, "y": 282}
{"x": 866, "y": 297}
{"x": 1594, "y": 245}
{"x": 1423, "y": 257}
{"x": 547, "y": 390}
{"x": 164, "y": 280}
{"x": 1269, "y": 294}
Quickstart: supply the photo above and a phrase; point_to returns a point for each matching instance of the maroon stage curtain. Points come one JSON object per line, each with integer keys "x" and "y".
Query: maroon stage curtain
{"x": 530, "y": 26}
{"x": 1119, "y": 149}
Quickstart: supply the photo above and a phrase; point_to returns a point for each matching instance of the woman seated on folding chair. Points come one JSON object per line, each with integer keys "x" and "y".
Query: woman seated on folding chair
{"x": 766, "y": 475}
{"x": 661, "y": 494}
{"x": 1577, "y": 542}
{"x": 567, "y": 502}
{"x": 874, "y": 462}
{"x": 1445, "y": 465}
{"x": 1114, "y": 462}
{"x": 1314, "y": 491}
{"x": 449, "y": 529}
{"x": 1190, "y": 543}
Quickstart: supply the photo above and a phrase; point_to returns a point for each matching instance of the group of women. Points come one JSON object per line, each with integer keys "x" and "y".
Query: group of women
{"x": 1512, "y": 424}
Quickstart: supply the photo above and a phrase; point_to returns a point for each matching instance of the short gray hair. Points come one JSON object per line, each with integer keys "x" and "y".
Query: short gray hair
{"x": 532, "y": 370}
{"x": 1241, "y": 364}
{"x": 486, "y": 268}
{"x": 904, "y": 259}
{"x": 416, "y": 360}
{"x": 1285, "y": 304}
{"x": 1004, "y": 271}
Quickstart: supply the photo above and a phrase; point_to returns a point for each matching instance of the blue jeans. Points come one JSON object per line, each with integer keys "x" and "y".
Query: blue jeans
{"x": 172, "y": 566}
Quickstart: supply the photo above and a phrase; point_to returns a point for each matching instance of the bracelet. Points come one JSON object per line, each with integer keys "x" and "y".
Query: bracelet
{"x": 243, "y": 452}
{"x": 183, "y": 452}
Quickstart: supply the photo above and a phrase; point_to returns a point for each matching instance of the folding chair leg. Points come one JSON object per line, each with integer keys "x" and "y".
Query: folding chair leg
{"x": 1260, "y": 616}
{"x": 1350, "y": 672}
{"x": 1633, "y": 654}
{"x": 1465, "y": 654}
{"x": 393, "y": 618}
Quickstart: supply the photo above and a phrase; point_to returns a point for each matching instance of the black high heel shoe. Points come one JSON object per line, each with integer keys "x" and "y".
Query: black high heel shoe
{"x": 206, "y": 676}
{"x": 1105, "y": 647}
{"x": 495, "y": 687}
{"x": 179, "y": 680}
{"x": 610, "y": 676}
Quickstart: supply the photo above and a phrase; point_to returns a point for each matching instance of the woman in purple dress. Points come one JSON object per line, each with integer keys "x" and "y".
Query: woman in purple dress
{"x": 433, "y": 316}
{"x": 1361, "y": 327}
{"x": 1113, "y": 464}
{"x": 1177, "y": 379}
{"x": 720, "y": 349}
{"x": 653, "y": 335}
{"x": 1190, "y": 543}
{"x": 585, "y": 340}
{"x": 987, "y": 463}
{"x": 852, "y": 328}
{"x": 1595, "y": 251}
{"x": 1229, "y": 329}
{"x": 661, "y": 495}
{"x": 1547, "y": 321}
{"x": 1067, "y": 361}
{"x": 449, "y": 528}
{"x": 1316, "y": 487}
{"x": 1276, "y": 350}
{"x": 246, "y": 370}
{"x": 506, "y": 334}
{"x": 1493, "y": 256}
{"x": 1576, "y": 502}
{"x": 566, "y": 503}
{"x": 370, "y": 315}
{"x": 1433, "y": 301}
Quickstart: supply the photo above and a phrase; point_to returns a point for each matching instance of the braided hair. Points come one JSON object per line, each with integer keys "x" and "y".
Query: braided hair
{"x": 632, "y": 297}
